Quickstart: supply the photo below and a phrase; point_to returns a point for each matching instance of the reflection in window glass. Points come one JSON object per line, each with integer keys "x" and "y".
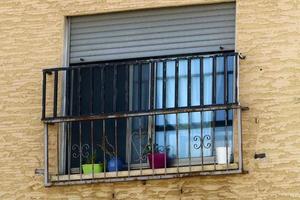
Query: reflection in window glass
{"x": 183, "y": 135}
{"x": 220, "y": 80}
{"x": 182, "y": 83}
{"x": 170, "y": 84}
{"x": 159, "y": 85}
{"x": 230, "y": 75}
{"x": 195, "y": 82}
{"x": 207, "y": 80}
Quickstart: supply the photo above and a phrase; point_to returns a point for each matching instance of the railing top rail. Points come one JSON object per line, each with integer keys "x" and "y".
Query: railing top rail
{"x": 141, "y": 61}
{"x": 119, "y": 115}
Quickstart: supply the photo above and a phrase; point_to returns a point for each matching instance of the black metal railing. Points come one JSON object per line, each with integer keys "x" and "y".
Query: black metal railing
{"x": 146, "y": 119}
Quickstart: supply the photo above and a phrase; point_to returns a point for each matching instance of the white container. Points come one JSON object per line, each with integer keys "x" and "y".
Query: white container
{"x": 221, "y": 155}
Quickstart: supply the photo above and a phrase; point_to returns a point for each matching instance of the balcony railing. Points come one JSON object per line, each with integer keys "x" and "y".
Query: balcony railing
{"x": 139, "y": 120}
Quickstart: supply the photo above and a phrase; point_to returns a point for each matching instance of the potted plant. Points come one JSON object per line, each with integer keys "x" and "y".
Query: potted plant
{"x": 91, "y": 165}
{"x": 157, "y": 155}
{"x": 114, "y": 163}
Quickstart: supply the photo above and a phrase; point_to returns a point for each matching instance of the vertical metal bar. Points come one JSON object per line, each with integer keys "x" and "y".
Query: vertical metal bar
{"x": 140, "y": 142}
{"x": 80, "y": 124}
{"x": 177, "y": 146}
{"x": 55, "y": 93}
{"x": 176, "y": 105}
{"x": 189, "y": 83}
{"x": 69, "y": 149}
{"x": 44, "y": 95}
{"x": 103, "y": 121}
{"x": 104, "y": 146}
{"x": 189, "y": 138}
{"x": 165, "y": 142}
{"x": 70, "y": 124}
{"x": 140, "y": 67}
{"x": 202, "y": 140}
{"x": 116, "y": 145}
{"x": 201, "y": 62}
{"x": 214, "y": 85}
{"x": 92, "y": 145}
{"x": 80, "y": 149}
{"x": 57, "y": 150}
{"x": 152, "y": 145}
{"x": 127, "y": 150}
{"x": 46, "y": 162}
{"x": 213, "y": 138}
{"x": 226, "y": 138}
{"x": 237, "y": 77}
{"x": 164, "y": 83}
{"x": 201, "y": 81}
{"x": 214, "y": 112}
{"x": 189, "y": 114}
{"x": 240, "y": 139}
{"x": 91, "y": 112}
{"x": 151, "y": 119}
{"x": 225, "y": 81}
{"x": 176, "y": 82}
{"x": 115, "y": 94}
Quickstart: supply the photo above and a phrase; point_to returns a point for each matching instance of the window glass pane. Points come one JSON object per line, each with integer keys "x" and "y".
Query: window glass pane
{"x": 220, "y": 80}
{"x": 183, "y": 137}
{"x": 159, "y": 85}
{"x": 195, "y": 82}
{"x": 207, "y": 80}
{"x": 182, "y": 83}
{"x": 170, "y": 84}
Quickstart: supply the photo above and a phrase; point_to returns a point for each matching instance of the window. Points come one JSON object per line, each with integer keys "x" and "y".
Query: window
{"x": 148, "y": 94}
{"x": 185, "y": 105}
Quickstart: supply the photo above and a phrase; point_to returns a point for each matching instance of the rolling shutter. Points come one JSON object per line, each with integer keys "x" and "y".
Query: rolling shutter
{"x": 149, "y": 33}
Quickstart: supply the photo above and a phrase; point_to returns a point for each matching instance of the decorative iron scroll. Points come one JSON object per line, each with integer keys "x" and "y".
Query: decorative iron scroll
{"x": 137, "y": 137}
{"x": 201, "y": 142}
{"x": 84, "y": 150}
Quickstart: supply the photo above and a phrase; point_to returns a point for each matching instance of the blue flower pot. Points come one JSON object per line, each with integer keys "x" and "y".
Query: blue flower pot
{"x": 115, "y": 164}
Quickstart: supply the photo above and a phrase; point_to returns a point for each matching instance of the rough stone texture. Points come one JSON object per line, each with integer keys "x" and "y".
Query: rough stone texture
{"x": 268, "y": 33}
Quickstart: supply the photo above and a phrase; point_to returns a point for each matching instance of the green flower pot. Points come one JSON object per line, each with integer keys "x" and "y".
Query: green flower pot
{"x": 88, "y": 168}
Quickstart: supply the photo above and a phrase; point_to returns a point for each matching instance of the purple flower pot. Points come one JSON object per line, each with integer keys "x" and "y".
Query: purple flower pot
{"x": 159, "y": 160}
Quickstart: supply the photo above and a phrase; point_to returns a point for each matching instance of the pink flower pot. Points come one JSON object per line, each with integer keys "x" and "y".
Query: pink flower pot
{"x": 159, "y": 160}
